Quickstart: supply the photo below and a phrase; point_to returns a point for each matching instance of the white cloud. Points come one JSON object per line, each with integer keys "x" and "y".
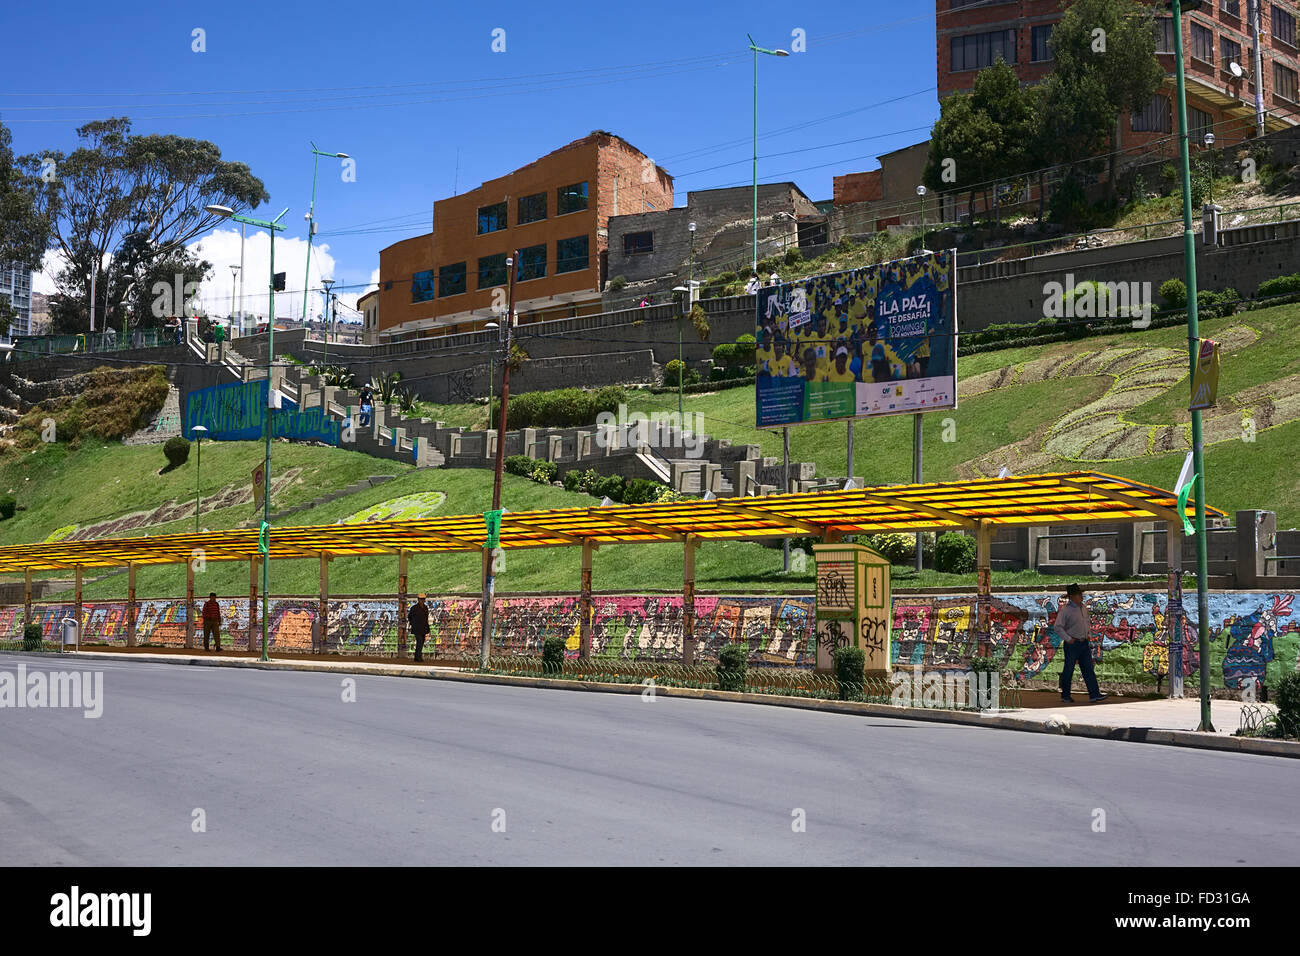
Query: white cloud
{"x": 221, "y": 248}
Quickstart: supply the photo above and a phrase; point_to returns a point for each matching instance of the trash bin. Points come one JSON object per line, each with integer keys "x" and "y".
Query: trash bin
{"x": 71, "y": 632}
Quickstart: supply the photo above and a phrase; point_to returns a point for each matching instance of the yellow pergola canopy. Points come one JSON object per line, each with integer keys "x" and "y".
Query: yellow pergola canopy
{"x": 1062, "y": 498}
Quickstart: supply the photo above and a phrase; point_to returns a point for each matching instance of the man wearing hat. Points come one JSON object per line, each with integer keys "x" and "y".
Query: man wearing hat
{"x": 1074, "y": 626}
{"x": 418, "y": 618}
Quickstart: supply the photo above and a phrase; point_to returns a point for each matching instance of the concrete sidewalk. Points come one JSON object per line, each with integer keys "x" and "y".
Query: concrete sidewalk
{"x": 1163, "y": 721}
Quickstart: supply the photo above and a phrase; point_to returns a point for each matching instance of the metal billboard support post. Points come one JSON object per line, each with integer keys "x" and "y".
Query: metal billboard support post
{"x": 916, "y": 475}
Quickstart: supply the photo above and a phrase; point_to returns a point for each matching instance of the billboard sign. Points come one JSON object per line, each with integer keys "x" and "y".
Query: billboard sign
{"x": 880, "y": 340}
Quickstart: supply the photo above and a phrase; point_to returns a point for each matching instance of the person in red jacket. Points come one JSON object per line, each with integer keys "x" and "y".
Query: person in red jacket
{"x": 212, "y": 621}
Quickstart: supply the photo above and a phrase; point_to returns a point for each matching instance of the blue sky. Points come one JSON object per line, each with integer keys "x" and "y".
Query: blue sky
{"x": 415, "y": 92}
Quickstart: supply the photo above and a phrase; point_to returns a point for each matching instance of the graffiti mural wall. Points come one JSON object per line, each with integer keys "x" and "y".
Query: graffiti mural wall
{"x": 1253, "y": 634}
{"x": 236, "y": 412}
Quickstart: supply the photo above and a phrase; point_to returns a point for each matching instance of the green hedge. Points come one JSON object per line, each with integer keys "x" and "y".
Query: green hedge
{"x": 732, "y": 665}
{"x": 628, "y": 491}
{"x": 8, "y": 505}
{"x": 560, "y": 408}
{"x": 954, "y": 553}
{"x": 538, "y": 469}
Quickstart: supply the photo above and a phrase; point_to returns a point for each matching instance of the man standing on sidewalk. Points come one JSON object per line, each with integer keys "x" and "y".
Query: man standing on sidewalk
{"x": 212, "y": 621}
{"x": 1074, "y": 626}
{"x": 418, "y": 618}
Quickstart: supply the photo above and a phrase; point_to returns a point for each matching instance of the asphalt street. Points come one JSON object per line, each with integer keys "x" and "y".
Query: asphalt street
{"x": 279, "y": 769}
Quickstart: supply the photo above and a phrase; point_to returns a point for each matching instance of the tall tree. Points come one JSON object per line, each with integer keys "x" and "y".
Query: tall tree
{"x": 1105, "y": 64}
{"x": 135, "y": 201}
{"x": 24, "y": 229}
{"x": 983, "y": 136}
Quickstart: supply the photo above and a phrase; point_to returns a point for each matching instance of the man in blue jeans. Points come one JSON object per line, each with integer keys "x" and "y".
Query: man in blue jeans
{"x": 1073, "y": 625}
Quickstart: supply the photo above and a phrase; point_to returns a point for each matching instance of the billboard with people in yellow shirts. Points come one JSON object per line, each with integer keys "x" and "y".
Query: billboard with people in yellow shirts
{"x": 880, "y": 340}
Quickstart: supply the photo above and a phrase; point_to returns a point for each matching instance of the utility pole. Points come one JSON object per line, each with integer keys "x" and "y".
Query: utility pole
{"x": 489, "y": 580}
{"x": 1193, "y": 346}
{"x": 1259, "y": 66}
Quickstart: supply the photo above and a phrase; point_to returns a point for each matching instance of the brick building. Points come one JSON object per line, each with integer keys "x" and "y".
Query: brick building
{"x": 973, "y": 34}
{"x": 555, "y": 212}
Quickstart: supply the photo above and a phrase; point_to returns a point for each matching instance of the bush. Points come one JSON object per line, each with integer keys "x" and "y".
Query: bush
{"x": 848, "y": 663}
{"x": 1174, "y": 292}
{"x": 553, "y": 655}
{"x": 1278, "y": 285}
{"x": 543, "y": 472}
{"x": 954, "y": 553}
{"x": 700, "y": 322}
{"x": 1288, "y": 704}
{"x": 793, "y": 257}
{"x": 672, "y": 374}
{"x": 8, "y": 505}
{"x": 609, "y": 486}
{"x": 899, "y": 547}
{"x": 1214, "y": 305}
{"x": 618, "y": 283}
{"x": 177, "y": 451}
{"x": 520, "y": 465}
{"x": 33, "y": 637}
{"x": 559, "y": 408}
{"x": 732, "y": 661}
{"x": 639, "y": 491}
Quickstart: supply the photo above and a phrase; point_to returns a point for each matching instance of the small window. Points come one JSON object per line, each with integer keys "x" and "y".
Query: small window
{"x": 1230, "y": 51}
{"x": 1164, "y": 35}
{"x": 388, "y": 285}
{"x": 1041, "y": 50}
{"x": 492, "y": 271}
{"x": 638, "y": 243}
{"x": 491, "y": 218}
{"x": 451, "y": 280}
{"x": 532, "y": 263}
{"x": 532, "y": 208}
{"x": 422, "y": 286}
{"x": 1284, "y": 83}
{"x": 1283, "y": 25}
{"x": 571, "y": 254}
{"x": 1199, "y": 123}
{"x": 1231, "y": 7}
{"x": 1202, "y": 43}
{"x": 1156, "y": 118}
{"x": 570, "y": 199}
{"x": 980, "y": 50}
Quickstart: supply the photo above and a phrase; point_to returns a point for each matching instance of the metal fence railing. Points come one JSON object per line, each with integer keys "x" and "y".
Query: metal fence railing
{"x": 27, "y": 347}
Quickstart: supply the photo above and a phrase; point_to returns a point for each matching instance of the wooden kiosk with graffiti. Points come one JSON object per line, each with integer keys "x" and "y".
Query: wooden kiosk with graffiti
{"x": 853, "y": 604}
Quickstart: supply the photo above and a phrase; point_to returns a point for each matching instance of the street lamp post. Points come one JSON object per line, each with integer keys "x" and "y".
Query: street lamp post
{"x": 489, "y": 577}
{"x": 264, "y": 538}
{"x": 311, "y": 220}
{"x": 234, "y": 282}
{"x": 492, "y": 357}
{"x": 1209, "y": 145}
{"x": 198, "y": 431}
{"x": 690, "y": 286}
{"x": 1193, "y": 347}
{"x": 757, "y": 50}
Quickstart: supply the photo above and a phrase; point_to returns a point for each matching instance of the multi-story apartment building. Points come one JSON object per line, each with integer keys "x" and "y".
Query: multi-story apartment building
{"x": 1218, "y": 49}
{"x": 554, "y": 212}
{"x": 16, "y": 286}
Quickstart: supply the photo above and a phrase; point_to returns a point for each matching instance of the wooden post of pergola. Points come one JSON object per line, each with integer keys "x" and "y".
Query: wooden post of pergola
{"x": 584, "y": 603}
{"x": 401, "y": 603}
{"x": 130, "y": 604}
{"x": 190, "y": 609}
{"x": 252, "y": 601}
{"x": 27, "y": 597}
{"x": 689, "y": 544}
{"x": 323, "y": 609}
{"x": 983, "y": 586}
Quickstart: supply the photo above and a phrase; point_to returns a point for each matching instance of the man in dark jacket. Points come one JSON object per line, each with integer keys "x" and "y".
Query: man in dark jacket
{"x": 212, "y": 621}
{"x": 418, "y": 618}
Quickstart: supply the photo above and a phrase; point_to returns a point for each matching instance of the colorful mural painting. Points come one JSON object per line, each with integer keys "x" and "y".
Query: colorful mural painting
{"x": 1254, "y": 634}
{"x": 235, "y": 412}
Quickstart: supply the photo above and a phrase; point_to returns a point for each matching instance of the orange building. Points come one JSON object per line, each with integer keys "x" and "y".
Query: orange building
{"x": 1218, "y": 59}
{"x": 554, "y": 212}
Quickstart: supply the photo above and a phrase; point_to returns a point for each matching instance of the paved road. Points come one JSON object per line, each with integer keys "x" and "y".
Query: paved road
{"x": 413, "y": 772}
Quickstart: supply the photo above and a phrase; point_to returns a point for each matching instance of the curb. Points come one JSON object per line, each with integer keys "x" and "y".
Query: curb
{"x": 1143, "y": 735}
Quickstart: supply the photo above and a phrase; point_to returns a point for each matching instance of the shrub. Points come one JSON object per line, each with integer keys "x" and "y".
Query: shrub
{"x": 177, "y": 451}
{"x": 1214, "y": 305}
{"x": 559, "y": 408}
{"x": 553, "y": 655}
{"x": 1288, "y": 704}
{"x": 1174, "y": 292}
{"x": 700, "y": 322}
{"x": 732, "y": 661}
{"x": 899, "y": 547}
{"x": 848, "y": 663}
{"x": 520, "y": 465}
{"x": 33, "y": 637}
{"x": 543, "y": 472}
{"x": 618, "y": 283}
{"x": 954, "y": 553}
{"x": 1279, "y": 285}
{"x": 728, "y": 277}
{"x": 8, "y": 505}
{"x": 792, "y": 257}
{"x": 640, "y": 490}
{"x": 609, "y": 486}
